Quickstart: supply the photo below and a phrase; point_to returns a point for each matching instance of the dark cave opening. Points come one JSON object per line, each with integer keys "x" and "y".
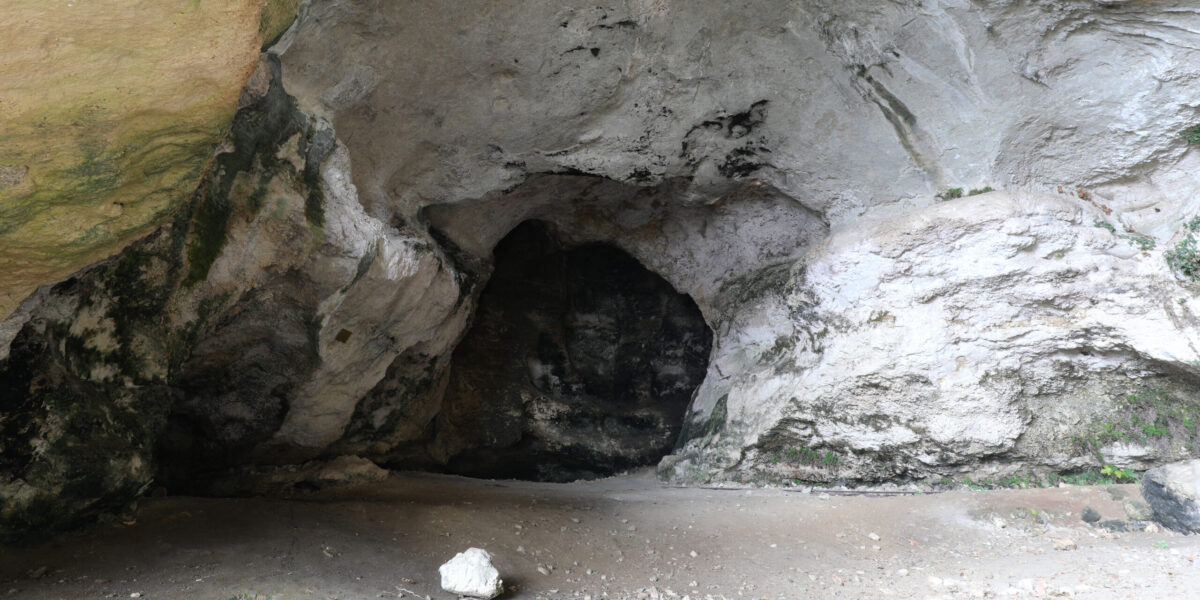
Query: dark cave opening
{"x": 580, "y": 363}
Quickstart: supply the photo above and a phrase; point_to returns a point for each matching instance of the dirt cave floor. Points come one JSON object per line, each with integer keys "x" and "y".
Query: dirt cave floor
{"x": 622, "y": 537}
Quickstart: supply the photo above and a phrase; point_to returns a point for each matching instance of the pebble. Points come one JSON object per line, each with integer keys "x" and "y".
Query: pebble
{"x": 902, "y": 572}
{"x": 1064, "y": 544}
{"x": 874, "y": 536}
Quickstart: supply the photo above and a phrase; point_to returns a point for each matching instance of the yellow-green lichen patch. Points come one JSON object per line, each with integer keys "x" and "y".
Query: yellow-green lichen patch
{"x": 277, "y": 16}
{"x": 111, "y": 111}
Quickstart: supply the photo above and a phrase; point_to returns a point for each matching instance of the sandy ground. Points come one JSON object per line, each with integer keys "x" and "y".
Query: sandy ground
{"x": 624, "y": 537}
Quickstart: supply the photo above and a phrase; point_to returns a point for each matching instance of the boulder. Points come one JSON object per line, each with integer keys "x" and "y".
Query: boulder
{"x": 471, "y": 574}
{"x": 1172, "y": 492}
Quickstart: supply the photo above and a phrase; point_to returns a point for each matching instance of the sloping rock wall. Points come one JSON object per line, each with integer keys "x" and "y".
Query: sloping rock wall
{"x": 110, "y": 113}
{"x": 817, "y": 176}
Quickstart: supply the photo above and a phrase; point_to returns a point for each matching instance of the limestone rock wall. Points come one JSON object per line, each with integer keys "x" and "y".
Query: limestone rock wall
{"x": 110, "y": 114}
{"x": 815, "y": 175}
{"x": 995, "y": 335}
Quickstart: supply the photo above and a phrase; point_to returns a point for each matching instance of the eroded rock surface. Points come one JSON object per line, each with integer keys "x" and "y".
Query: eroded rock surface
{"x": 216, "y": 342}
{"x": 814, "y": 175}
{"x": 111, "y": 112}
{"x": 1002, "y": 327}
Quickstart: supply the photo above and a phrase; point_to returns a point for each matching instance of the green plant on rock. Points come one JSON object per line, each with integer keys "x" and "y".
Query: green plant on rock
{"x": 951, "y": 194}
{"x": 1118, "y": 474}
{"x": 983, "y": 190}
{"x": 1184, "y": 258}
{"x": 807, "y": 456}
{"x": 1191, "y": 134}
{"x": 1142, "y": 242}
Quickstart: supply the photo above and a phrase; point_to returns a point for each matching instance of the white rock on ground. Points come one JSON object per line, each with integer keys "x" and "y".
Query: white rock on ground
{"x": 471, "y": 574}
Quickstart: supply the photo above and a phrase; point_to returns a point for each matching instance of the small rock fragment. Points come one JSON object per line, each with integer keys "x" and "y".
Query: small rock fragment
{"x": 1064, "y": 544}
{"x": 1090, "y": 515}
{"x": 874, "y": 536}
{"x": 1137, "y": 510}
{"x": 1115, "y": 525}
{"x": 471, "y": 574}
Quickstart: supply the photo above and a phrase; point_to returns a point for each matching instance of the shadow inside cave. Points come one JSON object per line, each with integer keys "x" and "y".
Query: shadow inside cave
{"x": 580, "y": 363}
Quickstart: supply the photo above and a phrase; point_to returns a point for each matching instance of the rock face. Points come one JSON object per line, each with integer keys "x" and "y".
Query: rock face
{"x": 1173, "y": 492}
{"x": 471, "y": 574}
{"x": 816, "y": 176}
{"x": 1000, "y": 327}
{"x": 111, "y": 112}
{"x": 188, "y": 353}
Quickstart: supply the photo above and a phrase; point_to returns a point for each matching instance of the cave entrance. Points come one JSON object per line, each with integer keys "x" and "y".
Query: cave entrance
{"x": 580, "y": 363}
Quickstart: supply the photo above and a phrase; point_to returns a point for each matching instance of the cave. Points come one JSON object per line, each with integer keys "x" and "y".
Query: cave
{"x": 300, "y": 299}
{"x": 579, "y": 363}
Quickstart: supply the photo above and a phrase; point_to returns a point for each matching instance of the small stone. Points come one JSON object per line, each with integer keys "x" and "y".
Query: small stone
{"x": 1151, "y": 528}
{"x": 1064, "y": 544}
{"x": 471, "y": 574}
{"x": 1090, "y": 515}
{"x": 693, "y": 554}
{"x": 1137, "y": 510}
{"x": 874, "y": 536}
{"x": 902, "y": 572}
{"x": 1114, "y": 525}
{"x": 135, "y": 595}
